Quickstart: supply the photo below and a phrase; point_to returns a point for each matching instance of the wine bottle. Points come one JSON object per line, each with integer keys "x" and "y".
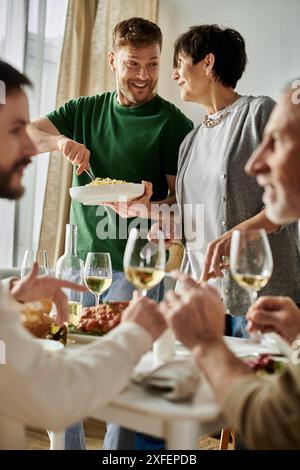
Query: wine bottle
{"x": 71, "y": 268}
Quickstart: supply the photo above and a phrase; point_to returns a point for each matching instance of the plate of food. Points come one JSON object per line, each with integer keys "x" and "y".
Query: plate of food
{"x": 265, "y": 364}
{"x": 37, "y": 320}
{"x": 97, "y": 321}
{"x": 103, "y": 190}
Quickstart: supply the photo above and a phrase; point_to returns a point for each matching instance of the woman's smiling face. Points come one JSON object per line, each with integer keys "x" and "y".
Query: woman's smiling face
{"x": 192, "y": 79}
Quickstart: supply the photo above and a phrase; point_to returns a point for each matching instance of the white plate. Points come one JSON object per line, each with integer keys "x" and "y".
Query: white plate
{"x": 93, "y": 195}
{"x": 274, "y": 339}
{"x": 50, "y": 344}
{"x": 241, "y": 347}
{"x": 81, "y": 338}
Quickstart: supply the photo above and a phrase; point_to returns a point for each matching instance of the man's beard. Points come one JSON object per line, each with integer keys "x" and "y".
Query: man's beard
{"x": 134, "y": 98}
{"x": 6, "y": 191}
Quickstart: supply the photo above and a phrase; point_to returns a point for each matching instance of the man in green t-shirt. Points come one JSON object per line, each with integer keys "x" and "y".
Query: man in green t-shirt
{"x": 131, "y": 134}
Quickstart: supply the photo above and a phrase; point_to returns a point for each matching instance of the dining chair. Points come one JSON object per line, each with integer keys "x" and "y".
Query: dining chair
{"x": 226, "y": 433}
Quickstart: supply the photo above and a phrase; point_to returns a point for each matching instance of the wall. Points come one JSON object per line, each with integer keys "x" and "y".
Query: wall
{"x": 271, "y": 31}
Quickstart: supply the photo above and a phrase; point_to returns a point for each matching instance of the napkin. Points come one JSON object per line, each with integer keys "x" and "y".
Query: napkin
{"x": 177, "y": 380}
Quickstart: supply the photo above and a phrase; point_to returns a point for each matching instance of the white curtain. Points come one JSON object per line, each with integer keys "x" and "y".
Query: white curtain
{"x": 12, "y": 46}
{"x": 84, "y": 71}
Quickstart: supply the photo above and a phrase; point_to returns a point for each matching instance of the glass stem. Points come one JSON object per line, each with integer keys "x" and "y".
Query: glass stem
{"x": 97, "y": 300}
{"x": 252, "y": 296}
{"x": 144, "y": 293}
{"x": 256, "y": 336}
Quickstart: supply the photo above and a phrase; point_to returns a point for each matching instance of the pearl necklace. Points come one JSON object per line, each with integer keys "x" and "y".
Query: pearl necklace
{"x": 212, "y": 122}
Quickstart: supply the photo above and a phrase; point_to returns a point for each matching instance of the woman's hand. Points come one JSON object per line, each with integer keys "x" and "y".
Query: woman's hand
{"x": 217, "y": 257}
{"x": 139, "y": 207}
{"x": 278, "y": 314}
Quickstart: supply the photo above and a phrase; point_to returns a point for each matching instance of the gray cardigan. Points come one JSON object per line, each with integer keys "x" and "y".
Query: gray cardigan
{"x": 243, "y": 199}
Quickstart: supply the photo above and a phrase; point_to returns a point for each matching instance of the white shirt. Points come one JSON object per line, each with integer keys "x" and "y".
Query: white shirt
{"x": 55, "y": 390}
{"x": 202, "y": 186}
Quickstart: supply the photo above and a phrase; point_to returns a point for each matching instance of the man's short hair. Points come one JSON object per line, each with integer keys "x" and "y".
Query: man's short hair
{"x": 136, "y": 32}
{"x": 226, "y": 44}
{"x": 11, "y": 79}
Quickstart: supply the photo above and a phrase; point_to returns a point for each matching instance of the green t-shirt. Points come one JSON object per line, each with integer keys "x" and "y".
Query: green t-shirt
{"x": 132, "y": 144}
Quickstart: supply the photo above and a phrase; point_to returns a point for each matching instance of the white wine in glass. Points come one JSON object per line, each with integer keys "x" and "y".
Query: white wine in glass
{"x": 98, "y": 273}
{"x": 144, "y": 278}
{"x": 253, "y": 282}
{"x": 144, "y": 260}
{"x": 75, "y": 309}
{"x": 251, "y": 261}
{"x": 98, "y": 284}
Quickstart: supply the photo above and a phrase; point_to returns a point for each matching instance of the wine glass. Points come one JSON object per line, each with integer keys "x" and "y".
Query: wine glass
{"x": 98, "y": 274}
{"x": 251, "y": 262}
{"x": 32, "y": 256}
{"x": 144, "y": 260}
{"x": 144, "y": 265}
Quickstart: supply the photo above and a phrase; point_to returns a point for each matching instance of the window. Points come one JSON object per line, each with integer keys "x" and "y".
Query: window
{"x": 12, "y": 46}
{"x": 44, "y": 38}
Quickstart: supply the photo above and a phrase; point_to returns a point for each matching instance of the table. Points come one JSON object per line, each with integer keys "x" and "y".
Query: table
{"x": 180, "y": 424}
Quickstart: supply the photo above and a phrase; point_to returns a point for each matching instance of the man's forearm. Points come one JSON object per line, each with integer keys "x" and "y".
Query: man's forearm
{"x": 220, "y": 366}
{"x": 156, "y": 206}
{"x": 43, "y": 141}
{"x": 169, "y": 201}
{"x": 259, "y": 221}
{"x": 156, "y": 211}
{"x": 253, "y": 406}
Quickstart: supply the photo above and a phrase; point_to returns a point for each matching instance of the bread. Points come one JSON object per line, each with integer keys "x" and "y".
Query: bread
{"x": 36, "y": 319}
{"x": 43, "y": 305}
